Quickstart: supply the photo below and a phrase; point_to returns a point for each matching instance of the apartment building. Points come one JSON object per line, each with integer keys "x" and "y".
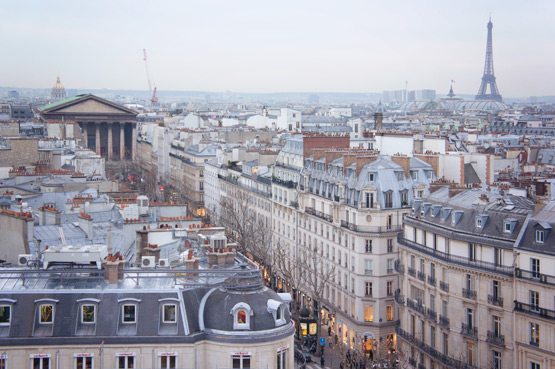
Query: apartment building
{"x": 456, "y": 290}
{"x": 187, "y": 172}
{"x": 534, "y": 301}
{"x": 351, "y": 206}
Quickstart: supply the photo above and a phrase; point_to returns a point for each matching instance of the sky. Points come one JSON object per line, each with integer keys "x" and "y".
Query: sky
{"x": 278, "y": 46}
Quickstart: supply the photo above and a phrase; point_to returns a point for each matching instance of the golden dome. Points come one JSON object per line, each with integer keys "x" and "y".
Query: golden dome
{"x": 58, "y": 84}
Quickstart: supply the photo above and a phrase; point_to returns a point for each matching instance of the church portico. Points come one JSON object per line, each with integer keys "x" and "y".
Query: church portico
{"x": 106, "y": 127}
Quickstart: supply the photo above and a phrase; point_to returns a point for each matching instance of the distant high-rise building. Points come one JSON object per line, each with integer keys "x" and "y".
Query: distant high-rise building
{"x": 488, "y": 79}
{"x": 58, "y": 91}
{"x": 13, "y": 94}
{"x": 313, "y": 99}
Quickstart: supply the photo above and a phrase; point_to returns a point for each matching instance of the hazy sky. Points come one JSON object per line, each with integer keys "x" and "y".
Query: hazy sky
{"x": 278, "y": 46}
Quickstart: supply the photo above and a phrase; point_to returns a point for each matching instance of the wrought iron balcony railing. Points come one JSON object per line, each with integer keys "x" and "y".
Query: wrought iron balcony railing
{"x": 444, "y": 286}
{"x": 469, "y": 294}
{"x": 495, "y": 300}
{"x": 469, "y": 330}
{"x": 496, "y": 339}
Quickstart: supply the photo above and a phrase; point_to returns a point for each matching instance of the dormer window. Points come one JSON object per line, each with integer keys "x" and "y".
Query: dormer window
{"x": 46, "y": 314}
{"x": 88, "y": 314}
{"x": 241, "y": 316}
{"x": 5, "y": 314}
{"x": 479, "y": 222}
{"x": 371, "y": 177}
{"x": 169, "y": 313}
{"x": 509, "y": 225}
{"x": 540, "y": 236}
{"x": 128, "y": 313}
{"x": 276, "y": 309}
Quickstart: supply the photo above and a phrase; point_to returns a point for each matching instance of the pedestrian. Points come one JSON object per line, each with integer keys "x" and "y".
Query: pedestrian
{"x": 329, "y": 330}
{"x": 322, "y": 361}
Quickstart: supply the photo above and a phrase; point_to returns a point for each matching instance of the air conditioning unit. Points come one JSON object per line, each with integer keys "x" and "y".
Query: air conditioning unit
{"x": 23, "y": 259}
{"x": 148, "y": 261}
{"x": 165, "y": 263}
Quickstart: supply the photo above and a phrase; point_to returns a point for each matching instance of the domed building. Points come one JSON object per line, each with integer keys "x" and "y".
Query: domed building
{"x": 58, "y": 91}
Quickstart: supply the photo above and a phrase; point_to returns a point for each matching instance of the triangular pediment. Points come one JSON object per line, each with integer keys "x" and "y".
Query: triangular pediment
{"x": 86, "y": 104}
{"x": 91, "y": 106}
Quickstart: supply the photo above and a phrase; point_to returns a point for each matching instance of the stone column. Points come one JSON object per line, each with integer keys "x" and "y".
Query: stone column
{"x": 122, "y": 141}
{"x": 110, "y": 144}
{"x": 134, "y": 142}
{"x": 85, "y": 136}
{"x": 97, "y": 148}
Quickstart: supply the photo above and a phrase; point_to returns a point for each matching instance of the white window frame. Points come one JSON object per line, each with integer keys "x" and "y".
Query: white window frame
{"x": 281, "y": 362}
{"x": 164, "y": 313}
{"x": 123, "y": 306}
{"x": 540, "y": 236}
{"x": 241, "y": 358}
{"x": 167, "y": 355}
{"x": 42, "y": 357}
{"x": 241, "y": 306}
{"x": 83, "y": 357}
{"x": 40, "y": 314}
{"x": 9, "y": 314}
{"x": 127, "y": 356}
{"x": 83, "y": 313}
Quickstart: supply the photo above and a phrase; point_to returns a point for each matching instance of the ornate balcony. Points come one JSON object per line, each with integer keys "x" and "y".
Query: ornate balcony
{"x": 416, "y": 307}
{"x": 444, "y": 321}
{"x": 412, "y": 271}
{"x": 535, "y": 276}
{"x": 468, "y": 330}
{"x": 431, "y": 280}
{"x": 469, "y": 294}
{"x": 534, "y": 310}
{"x": 399, "y": 268}
{"x": 400, "y": 299}
{"x": 496, "y": 339}
{"x": 495, "y": 300}
{"x": 432, "y": 315}
{"x": 444, "y": 286}
{"x": 421, "y": 276}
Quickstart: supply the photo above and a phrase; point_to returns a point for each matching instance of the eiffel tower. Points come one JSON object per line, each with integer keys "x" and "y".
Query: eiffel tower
{"x": 489, "y": 78}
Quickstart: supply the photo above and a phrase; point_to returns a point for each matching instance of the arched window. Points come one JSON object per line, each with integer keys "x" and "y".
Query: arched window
{"x": 241, "y": 313}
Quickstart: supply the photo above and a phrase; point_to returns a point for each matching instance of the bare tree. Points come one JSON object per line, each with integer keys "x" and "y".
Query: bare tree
{"x": 315, "y": 276}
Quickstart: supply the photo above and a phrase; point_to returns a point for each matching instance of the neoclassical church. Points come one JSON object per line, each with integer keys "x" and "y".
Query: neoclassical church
{"x": 58, "y": 91}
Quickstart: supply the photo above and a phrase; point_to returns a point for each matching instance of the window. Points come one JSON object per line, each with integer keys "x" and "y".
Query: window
{"x": 471, "y": 252}
{"x": 389, "y": 266}
{"x": 241, "y": 361}
{"x": 496, "y": 325}
{"x": 241, "y": 316}
{"x": 495, "y": 289}
{"x": 389, "y": 220}
{"x": 534, "y": 334}
{"x": 370, "y": 199}
{"x": 368, "y": 314}
{"x": 40, "y": 361}
{"x": 88, "y": 314}
{"x": 389, "y": 311}
{"x": 368, "y": 289}
{"x": 125, "y": 361}
{"x": 5, "y": 315}
{"x": 470, "y": 353}
{"x": 534, "y": 365}
{"x": 470, "y": 318}
{"x": 433, "y": 336}
{"x": 83, "y": 361}
{"x": 388, "y": 199}
{"x": 282, "y": 359}
{"x": 389, "y": 245}
{"x": 445, "y": 344}
{"x": 389, "y": 288}
{"x": 433, "y": 271}
{"x": 128, "y": 314}
{"x": 540, "y": 236}
{"x": 535, "y": 267}
{"x": 168, "y": 361}
{"x": 169, "y": 313}
{"x": 368, "y": 247}
{"x": 3, "y": 361}
{"x": 46, "y": 314}
{"x": 496, "y": 360}
{"x": 368, "y": 267}
{"x": 534, "y": 301}
{"x": 478, "y": 222}
{"x": 507, "y": 227}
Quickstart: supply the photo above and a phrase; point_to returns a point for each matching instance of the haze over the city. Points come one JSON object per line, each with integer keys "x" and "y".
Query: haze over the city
{"x": 280, "y": 46}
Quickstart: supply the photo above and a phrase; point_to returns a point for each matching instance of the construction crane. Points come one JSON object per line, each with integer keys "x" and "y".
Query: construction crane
{"x": 154, "y": 98}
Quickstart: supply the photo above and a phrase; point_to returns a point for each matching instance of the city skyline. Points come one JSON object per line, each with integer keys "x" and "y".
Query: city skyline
{"x": 359, "y": 47}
